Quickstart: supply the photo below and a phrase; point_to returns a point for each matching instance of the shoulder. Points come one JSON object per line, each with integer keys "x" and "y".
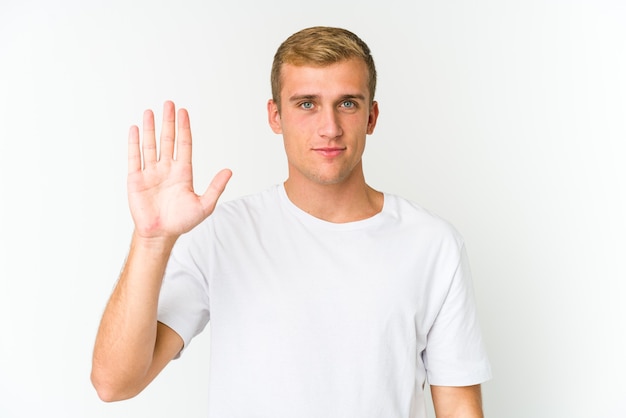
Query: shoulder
{"x": 244, "y": 214}
{"x": 247, "y": 207}
{"x": 270, "y": 196}
{"x": 414, "y": 217}
{"x": 232, "y": 219}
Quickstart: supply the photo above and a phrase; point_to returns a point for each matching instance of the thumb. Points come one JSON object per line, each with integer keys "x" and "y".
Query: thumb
{"x": 215, "y": 190}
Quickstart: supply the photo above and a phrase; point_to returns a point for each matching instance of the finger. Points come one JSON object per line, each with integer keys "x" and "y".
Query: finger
{"x": 134, "y": 153}
{"x": 215, "y": 190}
{"x": 183, "y": 146}
{"x": 149, "y": 139}
{"x": 168, "y": 131}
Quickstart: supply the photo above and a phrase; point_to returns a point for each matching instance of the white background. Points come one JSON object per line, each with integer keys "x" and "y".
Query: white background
{"x": 507, "y": 118}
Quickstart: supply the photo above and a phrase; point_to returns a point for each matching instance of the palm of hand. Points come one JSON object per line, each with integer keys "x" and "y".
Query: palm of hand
{"x": 162, "y": 201}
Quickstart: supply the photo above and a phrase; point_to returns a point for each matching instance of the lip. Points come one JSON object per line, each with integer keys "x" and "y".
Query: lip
{"x": 329, "y": 152}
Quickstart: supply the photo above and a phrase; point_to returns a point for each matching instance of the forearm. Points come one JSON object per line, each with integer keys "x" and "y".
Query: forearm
{"x": 457, "y": 402}
{"x": 125, "y": 343}
{"x": 131, "y": 346}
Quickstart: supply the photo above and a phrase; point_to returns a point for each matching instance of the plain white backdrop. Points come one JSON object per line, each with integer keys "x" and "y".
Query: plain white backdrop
{"x": 508, "y": 118}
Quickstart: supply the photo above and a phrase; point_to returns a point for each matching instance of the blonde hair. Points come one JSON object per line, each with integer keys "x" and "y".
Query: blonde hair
{"x": 320, "y": 46}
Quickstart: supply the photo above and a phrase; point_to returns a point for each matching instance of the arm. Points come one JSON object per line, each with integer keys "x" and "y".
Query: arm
{"x": 457, "y": 402}
{"x": 131, "y": 347}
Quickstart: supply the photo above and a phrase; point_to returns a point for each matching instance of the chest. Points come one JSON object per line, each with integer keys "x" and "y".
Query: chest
{"x": 340, "y": 283}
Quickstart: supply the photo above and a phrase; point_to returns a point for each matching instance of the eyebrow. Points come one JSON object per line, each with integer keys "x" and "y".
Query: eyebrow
{"x": 352, "y": 96}
{"x": 299, "y": 97}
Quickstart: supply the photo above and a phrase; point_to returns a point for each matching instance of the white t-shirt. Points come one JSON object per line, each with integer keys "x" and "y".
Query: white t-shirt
{"x": 316, "y": 319}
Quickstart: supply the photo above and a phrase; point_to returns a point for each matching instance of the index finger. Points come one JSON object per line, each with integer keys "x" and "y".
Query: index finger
{"x": 134, "y": 154}
{"x": 183, "y": 146}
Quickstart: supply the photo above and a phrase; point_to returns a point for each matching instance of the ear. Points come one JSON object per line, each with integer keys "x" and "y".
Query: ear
{"x": 373, "y": 117}
{"x": 273, "y": 117}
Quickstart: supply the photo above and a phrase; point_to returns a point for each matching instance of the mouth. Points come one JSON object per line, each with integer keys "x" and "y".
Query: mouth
{"x": 329, "y": 151}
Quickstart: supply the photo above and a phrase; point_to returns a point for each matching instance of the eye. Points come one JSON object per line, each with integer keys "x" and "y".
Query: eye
{"x": 306, "y": 105}
{"x": 348, "y": 104}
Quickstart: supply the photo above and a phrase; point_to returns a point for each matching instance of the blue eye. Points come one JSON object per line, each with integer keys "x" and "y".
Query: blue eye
{"x": 306, "y": 105}
{"x": 348, "y": 104}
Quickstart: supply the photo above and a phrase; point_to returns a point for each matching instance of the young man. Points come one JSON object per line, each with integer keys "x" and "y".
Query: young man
{"x": 327, "y": 298}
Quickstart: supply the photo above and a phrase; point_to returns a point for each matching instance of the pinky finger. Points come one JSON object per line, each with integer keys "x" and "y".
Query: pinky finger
{"x": 134, "y": 153}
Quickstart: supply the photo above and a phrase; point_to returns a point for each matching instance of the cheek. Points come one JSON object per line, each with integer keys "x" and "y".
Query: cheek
{"x": 297, "y": 128}
{"x": 293, "y": 142}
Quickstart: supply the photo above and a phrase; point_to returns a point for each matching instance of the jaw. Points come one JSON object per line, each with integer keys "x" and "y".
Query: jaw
{"x": 330, "y": 173}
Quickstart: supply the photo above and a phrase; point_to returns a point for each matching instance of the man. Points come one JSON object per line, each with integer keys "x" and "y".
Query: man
{"x": 327, "y": 298}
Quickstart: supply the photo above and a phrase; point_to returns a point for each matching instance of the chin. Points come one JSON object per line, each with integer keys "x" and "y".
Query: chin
{"x": 329, "y": 180}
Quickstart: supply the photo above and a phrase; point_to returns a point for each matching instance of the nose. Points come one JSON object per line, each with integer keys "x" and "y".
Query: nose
{"x": 329, "y": 124}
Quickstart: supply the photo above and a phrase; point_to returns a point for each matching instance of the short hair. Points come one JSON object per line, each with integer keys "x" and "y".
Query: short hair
{"x": 321, "y": 46}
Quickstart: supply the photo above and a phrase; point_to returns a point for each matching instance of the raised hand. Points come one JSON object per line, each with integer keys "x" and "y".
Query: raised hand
{"x": 162, "y": 201}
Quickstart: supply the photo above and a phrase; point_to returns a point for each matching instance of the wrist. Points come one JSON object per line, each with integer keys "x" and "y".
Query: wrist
{"x": 155, "y": 245}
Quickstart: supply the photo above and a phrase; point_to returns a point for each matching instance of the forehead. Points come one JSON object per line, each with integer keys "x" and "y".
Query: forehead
{"x": 343, "y": 77}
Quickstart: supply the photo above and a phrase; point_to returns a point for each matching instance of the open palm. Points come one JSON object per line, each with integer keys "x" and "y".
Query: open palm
{"x": 162, "y": 201}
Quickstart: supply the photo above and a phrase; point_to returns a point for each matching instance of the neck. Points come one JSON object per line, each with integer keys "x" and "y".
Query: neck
{"x": 339, "y": 203}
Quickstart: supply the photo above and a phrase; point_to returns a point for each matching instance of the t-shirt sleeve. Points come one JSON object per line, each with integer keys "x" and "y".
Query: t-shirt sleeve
{"x": 184, "y": 298}
{"x": 455, "y": 354}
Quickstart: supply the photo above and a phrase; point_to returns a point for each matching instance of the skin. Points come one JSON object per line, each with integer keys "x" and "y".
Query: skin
{"x": 324, "y": 119}
{"x": 326, "y": 113}
{"x": 131, "y": 347}
{"x": 457, "y": 402}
